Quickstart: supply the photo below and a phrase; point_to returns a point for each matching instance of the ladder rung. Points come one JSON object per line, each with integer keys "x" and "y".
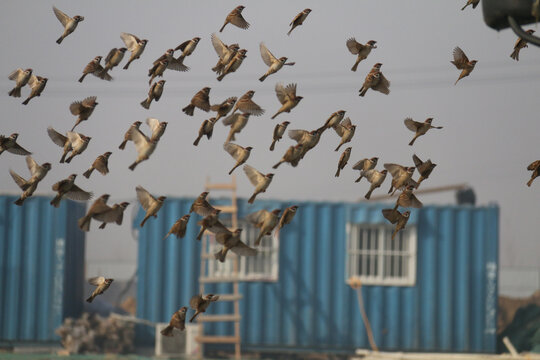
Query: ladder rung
{"x": 218, "y": 339}
{"x": 209, "y": 280}
{"x": 226, "y": 209}
{"x": 221, "y": 186}
{"x": 219, "y": 317}
{"x": 230, "y": 297}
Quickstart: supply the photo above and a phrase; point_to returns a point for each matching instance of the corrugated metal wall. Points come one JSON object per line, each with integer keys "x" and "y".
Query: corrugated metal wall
{"x": 451, "y": 307}
{"x": 41, "y": 267}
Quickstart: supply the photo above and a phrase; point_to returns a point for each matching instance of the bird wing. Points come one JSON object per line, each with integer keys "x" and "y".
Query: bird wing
{"x": 417, "y": 161}
{"x": 281, "y": 93}
{"x": 182, "y": 46}
{"x": 18, "y": 150}
{"x": 411, "y": 124}
{"x": 110, "y": 54}
{"x": 15, "y": 74}
{"x": 243, "y": 250}
{"x": 32, "y": 165}
{"x": 340, "y": 129}
{"x": 177, "y": 65}
{"x": 73, "y": 137}
{"x": 56, "y": 137}
{"x": 395, "y": 169}
{"x": 19, "y": 180}
{"x": 249, "y": 106}
{"x": 391, "y": 215}
{"x": 231, "y": 119}
{"x": 460, "y": 59}
{"x": 266, "y": 55}
{"x": 411, "y": 201}
{"x": 153, "y": 123}
{"x": 89, "y": 101}
{"x": 383, "y": 85}
{"x": 96, "y": 281}
{"x": 76, "y": 107}
{"x": 219, "y": 46}
{"x": 201, "y": 100}
{"x": 297, "y": 134}
{"x": 195, "y": 301}
{"x": 33, "y": 81}
{"x": 63, "y": 18}
{"x": 233, "y": 149}
{"x": 217, "y": 228}
{"x": 359, "y": 165}
{"x": 370, "y": 174}
{"x": 238, "y": 20}
{"x": 354, "y": 46}
{"x": 253, "y": 175}
{"x": 257, "y": 217}
{"x": 131, "y": 41}
{"x": 144, "y": 197}
{"x": 107, "y": 214}
{"x": 223, "y": 236}
{"x": 534, "y": 165}
{"x": 78, "y": 194}
{"x": 139, "y": 139}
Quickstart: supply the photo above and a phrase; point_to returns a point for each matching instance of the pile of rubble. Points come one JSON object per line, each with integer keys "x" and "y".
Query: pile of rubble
{"x": 96, "y": 334}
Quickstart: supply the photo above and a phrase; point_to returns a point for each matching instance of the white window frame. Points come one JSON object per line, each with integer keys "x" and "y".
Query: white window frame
{"x": 353, "y": 255}
{"x": 267, "y": 255}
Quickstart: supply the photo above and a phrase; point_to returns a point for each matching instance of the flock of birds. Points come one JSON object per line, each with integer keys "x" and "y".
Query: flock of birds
{"x": 235, "y": 113}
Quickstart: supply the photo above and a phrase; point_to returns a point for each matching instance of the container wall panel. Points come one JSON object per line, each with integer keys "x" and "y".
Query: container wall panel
{"x": 450, "y": 307}
{"x": 41, "y": 268}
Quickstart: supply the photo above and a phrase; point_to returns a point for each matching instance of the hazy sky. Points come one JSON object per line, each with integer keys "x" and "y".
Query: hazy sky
{"x": 491, "y": 128}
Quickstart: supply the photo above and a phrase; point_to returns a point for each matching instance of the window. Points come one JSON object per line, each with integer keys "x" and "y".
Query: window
{"x": 375, "y": 259}
{"x": 262, "y": 267}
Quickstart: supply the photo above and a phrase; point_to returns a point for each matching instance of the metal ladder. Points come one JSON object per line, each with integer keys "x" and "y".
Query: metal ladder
{"x": 207, "y": 257}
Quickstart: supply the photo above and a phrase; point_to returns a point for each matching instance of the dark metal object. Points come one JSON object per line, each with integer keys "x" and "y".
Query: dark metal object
{"x": 501, "y": 14}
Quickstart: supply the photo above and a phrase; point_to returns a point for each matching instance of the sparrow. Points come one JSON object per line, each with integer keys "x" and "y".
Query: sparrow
{"x": 202, "y": 207}
{"x": 424, "y": 168}
{"x": 234, "y": 64}
{"x": 207, "y": 128}
{"x": 172, "y": 62}
{"x": 157, "y": 127}
{"x": 73, "y": 142}
{"x": 235, "y": 18}
{"x": 231, "y": 241}
{"x": 211, "y": 223}
{"x": 133, "y": 44}
{"x": 408, "y": 199}
{"x": 365, "y": 164}
{"x": 237, "y": 122}
{"x": 474, "y": 3}
{"x": 9, "y": 144}
{"x": 264, "y": 220}
{"x": 200, "y": 303}
{"x": 223, "y": 108}
{"x": 397, "y": 218}
{"x": 37, "y": 85}
{"x": 178, "y": 320}
{"x": 462, "y": 62}
{"x": 68, "y": 189}
{"x": 279, "y": 130}
{"x": 309, "y": 139}
{"x": 153, "y": 94}
{"x": 179, "y": 227}
{"x": 157, "y": 70}
{"x": 343, "y": 159}
{"x": 102, "y": 285}
{"x": 114, "y": 57}
{"x": 225, "y": 52}
{"x": 298, "y": 20}
{"x": 287, "y": 97}
{"x": 375, "y": 80}
{"x": 286, "y": 217}
{"x": 334, "y": 120}
{"x": 127, "y": 135}
{"x": 201, "y": 100}
{"x": 99, "y": 206}
{"x": 246, "y": 105}
{"x": 274, "y": 64}
{"x": 346, "y": 130}
{"x": 420, "y": 128}
{"x": 520, "y": 44}
{"x": 94, "y": 67}
{"x": 239, "y": 153}
{"x": 37, "y": 173}
{"x": 401, "y": 176}
{"x": 376, "y": 178}
{"x": 362, "y": 51}
{"x": 149, "y": 203}
{"x": 83, "y": 109}
{"x": 100, "y": 164}
{"x": 114, "y": 214}
{"x": 257, "y": 179}
{"x": 293, "y": 155}
{"x": 535, "y": 168}
{"x": 144, "y": 146}
{"x": 187, "y": 48}
{"x": 69, "y": 24}
{"x": 21, "y": 78}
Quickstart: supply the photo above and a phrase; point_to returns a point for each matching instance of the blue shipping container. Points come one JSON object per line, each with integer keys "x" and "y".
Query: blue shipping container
{"x": 41, "y": 268}
{"x": 434, "y": 291}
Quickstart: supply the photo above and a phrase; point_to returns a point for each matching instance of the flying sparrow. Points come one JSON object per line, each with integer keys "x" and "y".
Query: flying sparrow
{"x": 224, "y": 108}
{"x": 157, "y": 70}
{"x": 102, "y": 285}
{"x": 420, "y": 128}
{"x": 365, "y": 164}
{"x": 359, "y": 49}
{"x": 279, "y": 130}
{"x": 234, "y": 64}
{"x": 68, "y": 23}
{"x": 345, "y": 129}
{"x": 114, "y": 57}
{"x": 397, "y": 218}
{"x": 287, "y": 97}
{"x": 83, "y": 109}
{"x": 178, "y": 320}
{"x": 274, "y": 64}
{"x": 246, "y": 105}
{"x": 10, "y": 145}
{"x": 308, "y": 139}
{"x": 201, "y": 206}
{"x": 462, "y": 62}
{"x": 114, "y": 214}
{"x": 474, "y": 3}
{"x": 127, "y": 135}
{"x": 153, "y": 94}
{"x": 408, "y": 199}
{"x": 100, "y": 164}
{"x": 133, "y": 44}
{"x": 149, "y": 203}
{"x": 200, "y": 303}
{"x": 179, "y": 227}
{"x": 293, "y": 155}
{"x": 286, "y": 217}
{"x": 376, "y": 178}
{"x": 99, "y": 206}
{"x": 68, "y": 189}
{"x": 235, "y": 18}
{"x": 201, "y": 100}
{"x": 237, "y": 122}
{"x": 21, "y": 78}
{"x": 172, "y": 62}
{"x": 187, "y": 48}
{"x": 535, "y": 168}
{"x": 424, "y": 168}
{"x": 298, "y": 20}
{"x": 264, "y": 220}
{"x": 225, "y": 52}
{"x": 401, "y": 176}
{"x": 37, "y": 85}
{"x": 211, "y": 223}
{"x": 520, "y": 44}
{"x": 73, "y": 142}
{"x": 156, "y": 127}
{"x": 343, "y": 159}
{"x": 239, "y": 153}
{"x": 257, "y": 179}
{"x": 334, "y": 120}
{"x": 207, "y": 128}
{"x": 375, "y": 80}
{"x": 94, "y": 67}
{"x": 37, "y": 173}
{"x": 144, "y": 146}
{"x": 231, "y": 241}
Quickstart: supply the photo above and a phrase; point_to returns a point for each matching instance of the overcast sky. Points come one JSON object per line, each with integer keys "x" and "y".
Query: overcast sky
{"x": 491, "y": 128}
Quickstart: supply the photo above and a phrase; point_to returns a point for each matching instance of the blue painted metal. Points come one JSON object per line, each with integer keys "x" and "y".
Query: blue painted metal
{"x": 41, "y": 268}
{"x": 451, "y": 307}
